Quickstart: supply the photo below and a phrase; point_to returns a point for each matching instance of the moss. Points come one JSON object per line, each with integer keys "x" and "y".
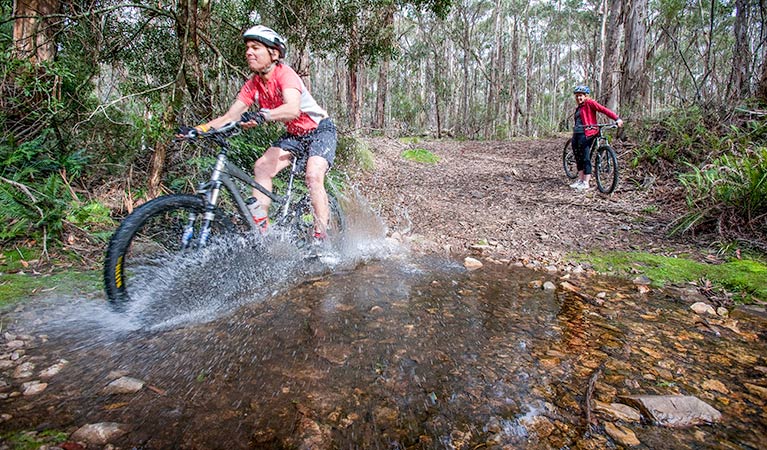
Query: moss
{"x": 738, "y": 275}
{"x": 17, "y": 286}
{"x": 31, "y": 440}
{"x": 420, "y": 155}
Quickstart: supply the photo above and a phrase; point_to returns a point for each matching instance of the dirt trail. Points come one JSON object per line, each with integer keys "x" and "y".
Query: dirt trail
{"x": 514, "y": 197}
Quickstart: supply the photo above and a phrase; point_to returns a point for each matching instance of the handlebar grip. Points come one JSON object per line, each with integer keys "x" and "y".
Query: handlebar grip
{"x": 251, "y": 116}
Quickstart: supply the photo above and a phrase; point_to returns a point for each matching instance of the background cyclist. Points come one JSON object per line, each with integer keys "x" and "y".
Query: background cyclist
{"x": 585, "y": 115}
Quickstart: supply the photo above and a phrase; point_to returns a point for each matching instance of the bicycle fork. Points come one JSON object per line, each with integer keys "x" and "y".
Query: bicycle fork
{"x": 211, "y": 189}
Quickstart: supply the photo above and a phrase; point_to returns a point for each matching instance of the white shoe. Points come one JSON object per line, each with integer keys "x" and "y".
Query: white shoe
{"x": 582, "y": 186}
{"x": 576, "y": 184}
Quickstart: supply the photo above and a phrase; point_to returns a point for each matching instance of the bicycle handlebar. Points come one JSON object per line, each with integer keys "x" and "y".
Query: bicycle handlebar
{"x": 193, "y": 133}
{"x": 601, "y": 125}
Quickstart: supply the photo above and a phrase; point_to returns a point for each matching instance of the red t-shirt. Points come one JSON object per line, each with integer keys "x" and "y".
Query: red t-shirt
{"x": 268, "y": 95}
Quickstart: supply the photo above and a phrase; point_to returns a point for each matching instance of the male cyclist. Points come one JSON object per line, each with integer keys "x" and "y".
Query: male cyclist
{"x": 585, "y": 116}
{"x": 282, "y": 97}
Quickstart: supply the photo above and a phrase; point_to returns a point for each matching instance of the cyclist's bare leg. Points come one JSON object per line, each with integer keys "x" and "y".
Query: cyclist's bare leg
{"x": 316, "y": 167}
{"x": 267, "y": 167}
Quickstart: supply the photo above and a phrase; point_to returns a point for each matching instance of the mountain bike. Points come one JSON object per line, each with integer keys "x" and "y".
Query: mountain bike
{"x": 182, "y": 224}
{"x": 604, "y": 160}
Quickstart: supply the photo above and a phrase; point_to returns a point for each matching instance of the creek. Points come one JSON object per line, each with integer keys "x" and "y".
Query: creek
{"x": 384, "y": 350}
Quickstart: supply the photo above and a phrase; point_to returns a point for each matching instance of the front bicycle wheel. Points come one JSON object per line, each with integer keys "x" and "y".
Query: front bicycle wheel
{"x": 568, "y": 160}
{"x": 606, "y": 169}
{"x": 149, "y": 238}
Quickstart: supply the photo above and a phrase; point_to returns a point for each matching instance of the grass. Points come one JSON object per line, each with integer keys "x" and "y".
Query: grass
{"x": 420, "y": 155}
{"x": 746, "y": 276}
{"x": 18, "y": 286}
{"x": 18, "y": 281}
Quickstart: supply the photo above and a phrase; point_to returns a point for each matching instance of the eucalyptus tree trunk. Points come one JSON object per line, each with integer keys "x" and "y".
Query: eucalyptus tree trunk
{"x": 382, "y": 88}
{"x": 761, "y": 87}
{"x": 33, "y": 32}
{"x": 610, "y": 77}
{"x": 633, "y": 92}
{"x": 738, "y": 87}
{"x": 529, "y": 97}
{"x": 514, "y": 108}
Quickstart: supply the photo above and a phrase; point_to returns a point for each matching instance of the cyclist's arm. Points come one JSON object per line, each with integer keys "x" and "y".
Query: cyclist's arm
{"x": 232, "y": 115}
{"x": 290, "y": 108}
{"x": 609, "y": 113}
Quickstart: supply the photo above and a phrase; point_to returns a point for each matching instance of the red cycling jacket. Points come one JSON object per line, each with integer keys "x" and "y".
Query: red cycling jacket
{"x": 589, "y": 110}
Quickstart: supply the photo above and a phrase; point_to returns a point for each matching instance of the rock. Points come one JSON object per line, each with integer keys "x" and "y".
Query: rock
{"x": 33, "y": 387}
{"x": 715, "y": 385}
{"x": 618, "y": 411}
{"x": 15, "y": 344}
{"x": 54, "y": 369}
{"x": 25, "y": 370}
{"x": 722, "y": 311}
{"x": 702, "y": 308}
{"x": 761, "y": 391}
{"x": 472, "y": 263}
{"x": 549, "y": 286}
{"x": 6, "y": 364}
{"x": 99, "y": 433}
{"x": 124, "y": 385}
{"x": 674, "y": 410}
{"x": 642, "y": 280}
{"x": 621, "y": 435}
{"x": 692, "y": 295}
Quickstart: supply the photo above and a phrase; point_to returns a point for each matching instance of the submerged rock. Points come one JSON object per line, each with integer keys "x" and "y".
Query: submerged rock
{"x": 99, "y": 433}
{"x": 124, "y": 385}
{"x": 621, "y": 434}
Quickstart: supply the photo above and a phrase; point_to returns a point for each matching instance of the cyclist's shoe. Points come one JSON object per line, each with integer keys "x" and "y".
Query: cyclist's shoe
{"x": 576, "y": 184}
{"x": 262, "y": 224}
{"x": 582, "y": 186}
{"x": 321, "y": 248}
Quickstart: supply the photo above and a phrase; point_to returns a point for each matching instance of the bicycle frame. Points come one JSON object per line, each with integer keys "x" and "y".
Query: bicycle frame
{"x": 224, "y": 175}
{"x": 601, "y": 139}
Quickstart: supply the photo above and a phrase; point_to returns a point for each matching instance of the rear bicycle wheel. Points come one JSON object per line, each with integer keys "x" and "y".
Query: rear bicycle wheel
{"x": 568, "y": 160}
{"x": 149, "y": 238}
{"x": 302, "y": 220}
{"x": 606, "y": 169}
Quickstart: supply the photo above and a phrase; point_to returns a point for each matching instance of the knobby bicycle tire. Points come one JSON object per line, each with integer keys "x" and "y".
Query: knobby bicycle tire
{"x": 606, "y": 169}
{"x": 148, "y": 237}
{"x": 568, "y": 160}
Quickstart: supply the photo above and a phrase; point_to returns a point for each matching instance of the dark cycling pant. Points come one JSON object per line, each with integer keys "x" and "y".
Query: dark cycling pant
{"x": 582, "y": 151}
{"x": 321, "y": 141}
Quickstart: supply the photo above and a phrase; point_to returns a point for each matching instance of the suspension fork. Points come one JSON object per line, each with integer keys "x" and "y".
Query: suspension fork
{"x": 210, "y": 191}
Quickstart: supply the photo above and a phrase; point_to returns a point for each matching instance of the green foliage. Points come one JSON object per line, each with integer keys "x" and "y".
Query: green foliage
{"x": 420, "y": 155}
{"x": 732, "y": 187}
{"x": 738, "y": 275}
{"x": 721, "y": 164}
{"x": 32, "y": 440}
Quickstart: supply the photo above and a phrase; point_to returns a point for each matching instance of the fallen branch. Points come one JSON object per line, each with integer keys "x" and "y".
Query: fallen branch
{"x": 591, "y": 422}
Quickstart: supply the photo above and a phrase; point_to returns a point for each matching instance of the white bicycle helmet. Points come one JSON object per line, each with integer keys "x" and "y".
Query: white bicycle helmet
{"x": 268, "y": 37}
